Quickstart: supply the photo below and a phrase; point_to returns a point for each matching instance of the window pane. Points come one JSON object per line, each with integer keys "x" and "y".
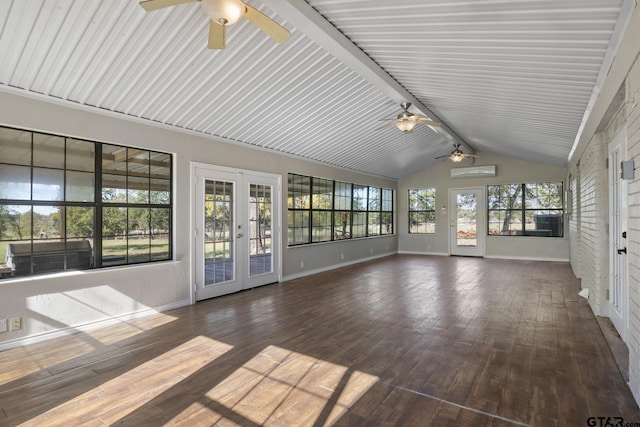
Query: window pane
{"x": 80, "y": 221}
{"x": 15, "y": 182}
{"x": 360, "y": 197}
{"x": 386, "y": 223}
{"x": 47, "y": 184}
{"x": 505, "y": 223}
{"x": 544, "y": 223}
{"x": 138, "y": 189}
{"x": 80, "y": 155}
{"x": 342, "y": 227}
{"x": 374, "y": 223}
{"x": 342, "y": 196}
{"x": 15, "y": 223}
{"x": 422, "y": 222}
{"x": 80, "y": 187}
{"x": 160, "y": 165}
{"x": 375, "y": 195}
{"x": 321, "y": 226}
{"x": 359, "y": 224}
{"x": 114, "y": 222}
{"x": 114, "y": 250}
{"x": 48, "y": 151}
{"x": 160, "y": 191}
{"x": 507, "y": 196}
{"x": 15, "y": 146}
{"x": 160, "y": 220}
{"x": 47, "y": 222}
{"x": 299, "y": 194}
{"x": 387, "y": 199}
{"x": 138, "y": 239}
{"x": 138, "y": 179}
{"x": 114, "y": 188}
{"x": 322, "y": 194}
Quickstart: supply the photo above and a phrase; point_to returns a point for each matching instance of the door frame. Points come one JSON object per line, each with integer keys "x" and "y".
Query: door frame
{"x": 276, "y": 231}
{"x": 481, "y": 222}
{"x": 617, "y": 225}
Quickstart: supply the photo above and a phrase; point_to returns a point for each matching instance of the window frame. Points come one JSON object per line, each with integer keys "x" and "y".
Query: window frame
{"x": 357, "y": 213}
{"x": 522, "y": 200}
{"x": 425, "y": 212}
{"x": 68, "y": 202}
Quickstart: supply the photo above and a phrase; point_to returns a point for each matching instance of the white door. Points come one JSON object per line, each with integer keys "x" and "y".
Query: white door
{"x": 468, "y": 223}
{"x": 618, "y": 291}
{"x": 236, "y": 228}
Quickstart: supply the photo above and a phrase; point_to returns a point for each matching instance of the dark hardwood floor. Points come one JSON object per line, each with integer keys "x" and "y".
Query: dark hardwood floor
{"x": 404, "y": 340}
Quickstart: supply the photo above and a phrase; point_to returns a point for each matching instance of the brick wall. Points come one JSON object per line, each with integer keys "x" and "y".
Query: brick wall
{"x": 632, "y": 119}
{"x": 592, "y": 259}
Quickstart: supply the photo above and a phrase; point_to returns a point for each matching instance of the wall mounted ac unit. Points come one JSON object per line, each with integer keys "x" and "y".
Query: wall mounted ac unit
{"x": 474, "y": 172}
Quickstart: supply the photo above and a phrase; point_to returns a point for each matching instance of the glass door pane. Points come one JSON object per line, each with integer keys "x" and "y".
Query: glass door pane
{"x": 219, "y": 228}
{"x": 260, "y": 261}
{"x": 466, "y": 225}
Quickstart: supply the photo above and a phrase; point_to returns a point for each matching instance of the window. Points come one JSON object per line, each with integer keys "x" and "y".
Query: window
{"x": 299, "y": 204}
{"x": 67, "y": 204}
{"x": 422, "y": 211}
{"x": 526, "y": 209}
{"x": 322, "y": 210}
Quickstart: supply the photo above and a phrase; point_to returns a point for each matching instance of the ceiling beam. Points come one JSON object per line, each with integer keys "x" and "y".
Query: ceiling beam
{"x": 307, "y": 20}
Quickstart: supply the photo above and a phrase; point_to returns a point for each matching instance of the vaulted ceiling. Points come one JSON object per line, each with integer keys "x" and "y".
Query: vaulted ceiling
{"x": 509, "y": 77}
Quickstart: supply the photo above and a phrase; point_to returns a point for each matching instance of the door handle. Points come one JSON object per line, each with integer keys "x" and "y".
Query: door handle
{"x": 239, "y": 235}
{"x": 622, "y": 251}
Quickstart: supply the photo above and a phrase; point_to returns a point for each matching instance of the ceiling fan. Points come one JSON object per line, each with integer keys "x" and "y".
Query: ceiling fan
{"x": 224, "y": 13}
{"x": 456, "y": 155}
{"x": 406, "y": 120}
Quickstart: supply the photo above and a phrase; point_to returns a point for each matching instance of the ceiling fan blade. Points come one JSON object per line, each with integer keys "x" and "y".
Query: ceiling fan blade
{"x": 150, "y": 5}
{"x": 217, "y": 35}
{"x": 470, "y": 155}
{"x": 266, "y": 24}
{"x": 387, "y": 125}
{"x": 441, "y": 157}
{"x": 425, "y": 121}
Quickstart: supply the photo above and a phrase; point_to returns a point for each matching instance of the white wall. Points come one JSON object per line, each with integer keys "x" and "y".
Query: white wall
{"x": 588, "y": 165}
{"x": 509, "y": 171}
{"x": 71, "y": 299}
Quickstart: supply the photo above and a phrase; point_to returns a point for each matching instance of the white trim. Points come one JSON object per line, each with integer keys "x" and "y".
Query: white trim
{"x": 527, "y": 258}
{"x": 334, "y": 266}
{"x": 423, "y": 253}
{"x": 85, "y": 327}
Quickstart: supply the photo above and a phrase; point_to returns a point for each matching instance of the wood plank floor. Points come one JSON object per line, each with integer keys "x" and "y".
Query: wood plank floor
{"x": 404, "y": 340}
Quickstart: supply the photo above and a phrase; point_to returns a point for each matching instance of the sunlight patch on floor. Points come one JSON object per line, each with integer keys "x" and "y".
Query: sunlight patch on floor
{"x": 115, "y": 399}
{"x": 280, "y": 386}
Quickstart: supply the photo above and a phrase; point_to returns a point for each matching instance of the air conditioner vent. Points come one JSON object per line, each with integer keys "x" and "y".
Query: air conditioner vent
{"x": 474, "y": 172}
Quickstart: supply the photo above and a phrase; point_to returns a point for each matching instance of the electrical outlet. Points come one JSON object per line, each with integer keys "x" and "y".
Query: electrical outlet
{"x": 301, "y": 264}
{"x": 3, "y": 325}
{"x": 371, "y": 250}
{"x": 341, "y": 256}
{"x": 15, "y": 323}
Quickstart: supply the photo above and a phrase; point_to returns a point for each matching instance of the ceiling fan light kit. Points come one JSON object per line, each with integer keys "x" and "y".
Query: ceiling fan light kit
{"x": 406, "y": 120}
{"x": 405, "y": 125}
{"x": 457, "y": 155}
{"x": 223, "y": 13}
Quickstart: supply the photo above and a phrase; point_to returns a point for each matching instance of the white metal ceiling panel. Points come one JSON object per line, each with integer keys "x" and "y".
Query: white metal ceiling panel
{"x": 510, "y": 77}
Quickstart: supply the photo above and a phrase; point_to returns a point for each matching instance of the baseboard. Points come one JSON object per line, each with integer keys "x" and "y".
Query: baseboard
{"x": 423, "y": 253}
{"x": 44, "y": 336}
{"x": 527, "y": 258}
{"x": 333, "y": 267}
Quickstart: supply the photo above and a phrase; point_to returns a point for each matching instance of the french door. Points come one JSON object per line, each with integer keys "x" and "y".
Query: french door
{"x": 467, "y": 221}
{"x": 618, "y": 281}
{"x": 237, "y": 237}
